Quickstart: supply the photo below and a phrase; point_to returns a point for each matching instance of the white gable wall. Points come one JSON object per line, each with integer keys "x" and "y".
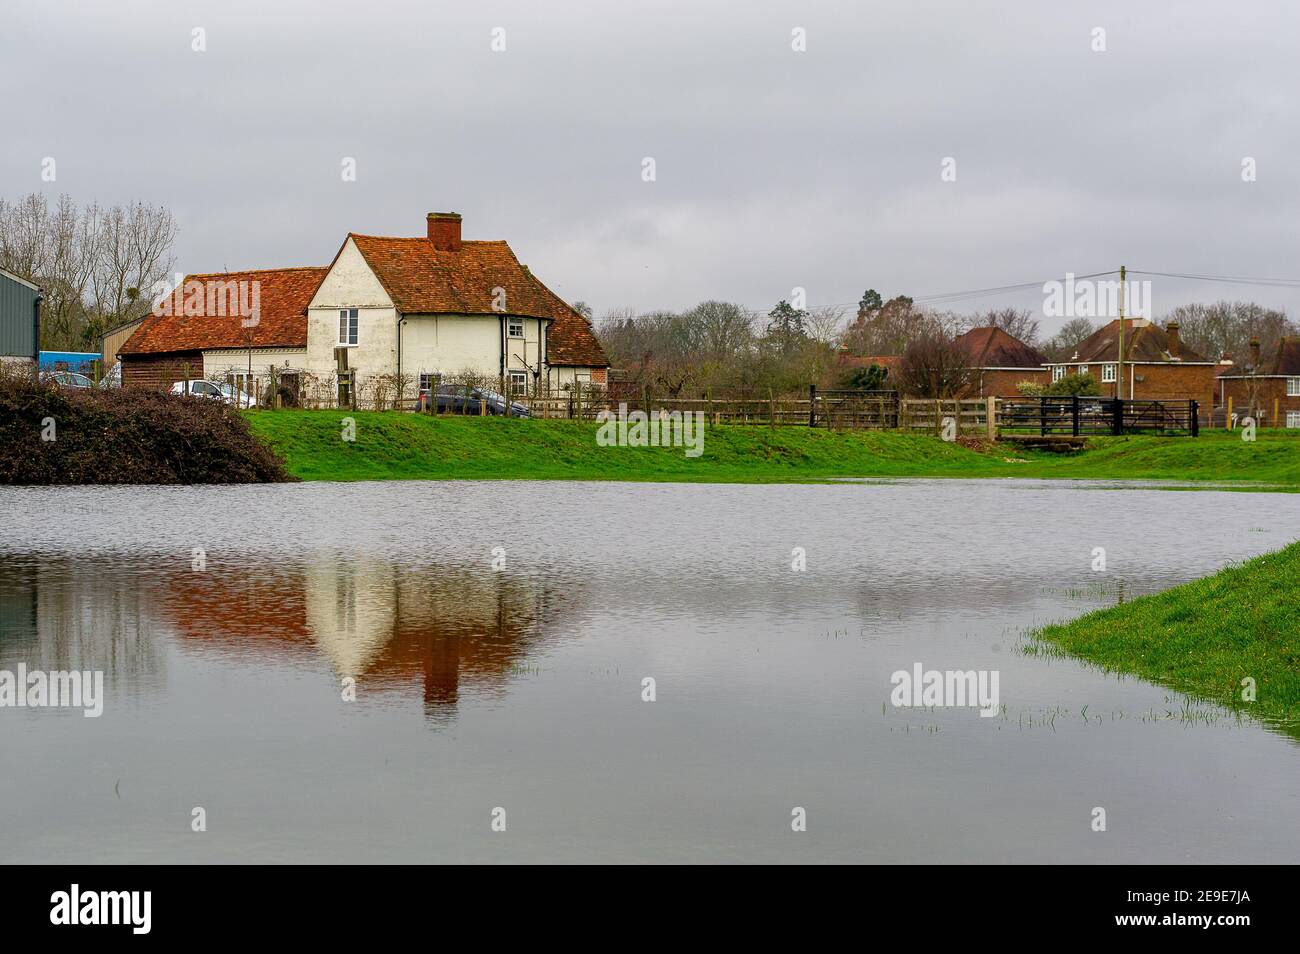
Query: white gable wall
{"x": 351, "y": 284}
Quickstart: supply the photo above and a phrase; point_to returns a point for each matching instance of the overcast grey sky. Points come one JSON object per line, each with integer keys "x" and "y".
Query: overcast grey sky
{"x": 775, "y": 168}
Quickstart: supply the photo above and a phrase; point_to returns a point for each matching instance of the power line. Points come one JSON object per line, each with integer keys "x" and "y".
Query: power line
{"x": 950, "y": 298}
{"x": 1000, "y": 289}
{"x": 1225, "y": 279}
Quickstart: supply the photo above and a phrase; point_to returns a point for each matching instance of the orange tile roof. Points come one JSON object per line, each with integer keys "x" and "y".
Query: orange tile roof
{"x": 422, "y": 279}
{"x": 283, "y": 295}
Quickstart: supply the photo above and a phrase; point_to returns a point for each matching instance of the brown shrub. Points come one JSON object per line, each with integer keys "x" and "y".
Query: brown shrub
{"x": 125, "y": 436}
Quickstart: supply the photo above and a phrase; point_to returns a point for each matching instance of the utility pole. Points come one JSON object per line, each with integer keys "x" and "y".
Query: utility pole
{"x": 1119, "y": 370}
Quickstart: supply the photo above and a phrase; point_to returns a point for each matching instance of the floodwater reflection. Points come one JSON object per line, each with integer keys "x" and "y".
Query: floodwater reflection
{"x": 523, "y": 687}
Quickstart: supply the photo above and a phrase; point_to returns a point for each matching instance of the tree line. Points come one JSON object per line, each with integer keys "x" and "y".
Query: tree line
{"x": 96, "y": 265}
{"x": 722, "y": 347}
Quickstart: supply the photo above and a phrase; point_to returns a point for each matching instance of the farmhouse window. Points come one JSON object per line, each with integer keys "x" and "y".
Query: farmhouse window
{"x": 427, "y": 381}
{"x": 518, "y": 383}
{"x": 515, "y": 328}
{"x": 347, "y": 326}
{"x": 1292, "y": 387}
{"x": 1293, "y": 418}
{"x": 1058, "y": 372}
{"x": 1108, "y": 373}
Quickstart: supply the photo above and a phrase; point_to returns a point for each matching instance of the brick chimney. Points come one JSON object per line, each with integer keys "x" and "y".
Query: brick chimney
{"x": 444, "y": 231}
{"x": 1254, "y": 354}
{"x": 1171, "y": 330}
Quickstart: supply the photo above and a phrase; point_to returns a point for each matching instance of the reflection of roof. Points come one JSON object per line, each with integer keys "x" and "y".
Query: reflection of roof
{"x": 455, "y": 630}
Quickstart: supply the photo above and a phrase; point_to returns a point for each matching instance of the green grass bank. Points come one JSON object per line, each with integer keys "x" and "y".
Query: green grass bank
{"x": 394, "y": 446}
{"x": 1205, "y": 637}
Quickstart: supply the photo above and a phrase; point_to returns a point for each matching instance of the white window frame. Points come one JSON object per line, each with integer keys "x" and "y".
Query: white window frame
{"x": 1109, "y": 373}
{"x": 1293, "y": 387}
{"x": 1058, "y": 372}
{"x": 428, "y": 380}
{"x": 1293, "y": 418}
{"x": 350, "y": 333}
{"x": 511, "y": 325}
{"x": 512, "y": 389}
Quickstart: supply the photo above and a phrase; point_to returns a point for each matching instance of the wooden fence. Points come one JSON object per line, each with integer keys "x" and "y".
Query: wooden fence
{"x": 970, "y": 415}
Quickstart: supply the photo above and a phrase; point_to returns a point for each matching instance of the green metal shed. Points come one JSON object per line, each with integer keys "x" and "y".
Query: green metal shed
{"x": 20, "y": 317}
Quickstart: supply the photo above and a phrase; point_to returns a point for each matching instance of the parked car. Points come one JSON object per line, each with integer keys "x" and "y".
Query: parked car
{"x": 457, "y": 399}
{"x": 225, "y": 393}
{"x": 68, "y": 379}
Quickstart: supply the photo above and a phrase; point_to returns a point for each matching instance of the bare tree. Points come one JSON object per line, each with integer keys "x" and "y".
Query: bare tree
{"x": 134, "y": 252}
{"x": 1227, "y": 327}
{"x": 1019, "y": 324}
{"x": 95, "y": 266}
{"x": 934, "y": 366}
{"x": 1072, "y": 334}
{"x": 825, "y": 324}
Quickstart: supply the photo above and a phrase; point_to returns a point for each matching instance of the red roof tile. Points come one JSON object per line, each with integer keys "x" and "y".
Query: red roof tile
{"x": 422, "y": 279}
{"x": 282, "y": 296}
{"x": 570, "y": 341}
{"x": 1143, "y": 342}
{"x": 425, "y": 280}
{"x": 1287, "y": 359}
{"x": 990, "y": 347}
{"x": 889, "y": 362}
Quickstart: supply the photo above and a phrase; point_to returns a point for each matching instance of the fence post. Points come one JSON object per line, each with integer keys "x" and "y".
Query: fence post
{"x": 812, "y": 405}
{"x": 991, "y": 416}
{"x": 1194, "y": 409}
{"x": 1074, "y": 416}
{"x": 1117, "y": 417}
{"x": 1042, "y": 417}
{"x": 771, "y": 408}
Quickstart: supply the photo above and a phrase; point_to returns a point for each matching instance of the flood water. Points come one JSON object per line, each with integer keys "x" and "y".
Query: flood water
{"x": 520, "y": 686}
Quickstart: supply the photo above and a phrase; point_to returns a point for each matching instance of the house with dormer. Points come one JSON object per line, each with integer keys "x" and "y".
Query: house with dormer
{"x": 1156, "y": 365}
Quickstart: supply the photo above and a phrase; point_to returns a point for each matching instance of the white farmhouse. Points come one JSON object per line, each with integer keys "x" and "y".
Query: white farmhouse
{"x": 407, "y": 310}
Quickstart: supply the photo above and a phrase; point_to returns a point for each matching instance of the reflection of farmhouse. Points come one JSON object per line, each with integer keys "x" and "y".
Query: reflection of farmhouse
{"x": 390, "y": 627}
{"x": 413, "y": 308}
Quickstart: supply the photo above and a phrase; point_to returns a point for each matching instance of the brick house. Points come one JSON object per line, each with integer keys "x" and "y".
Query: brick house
{"x": 999, "y": 361}
{"x": 1267, "y": 391}
{"x": 1156, "y": 364}
{"x": 408, "y": 309}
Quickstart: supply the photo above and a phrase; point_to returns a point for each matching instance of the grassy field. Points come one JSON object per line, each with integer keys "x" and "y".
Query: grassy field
{"x": 391, "y": 446}
{"x": 1205, "y": 637}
